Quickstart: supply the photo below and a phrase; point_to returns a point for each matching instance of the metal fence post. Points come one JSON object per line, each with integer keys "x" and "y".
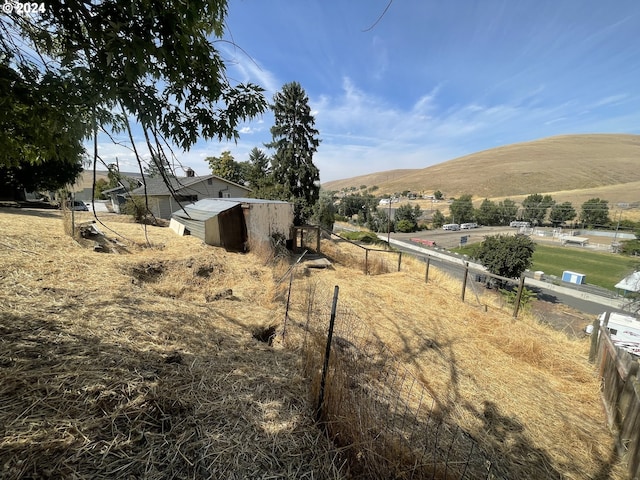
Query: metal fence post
{"x": 327, "y": 353}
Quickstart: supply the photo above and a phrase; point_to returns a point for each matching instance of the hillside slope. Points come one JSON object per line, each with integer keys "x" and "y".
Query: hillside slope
{"x": 144, "y": 365}
{"x": 563, "y": 163}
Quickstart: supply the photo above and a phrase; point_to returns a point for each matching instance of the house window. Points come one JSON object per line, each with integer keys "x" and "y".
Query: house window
{"x": 226, "y": 195}
{"x": 613, "y": 331}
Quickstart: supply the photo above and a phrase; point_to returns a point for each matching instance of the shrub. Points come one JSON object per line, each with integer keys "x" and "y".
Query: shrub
{"x": 137, "y": 208}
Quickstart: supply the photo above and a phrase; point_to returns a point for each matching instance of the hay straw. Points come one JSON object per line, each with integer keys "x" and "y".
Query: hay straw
{"x": 119, "y": 366}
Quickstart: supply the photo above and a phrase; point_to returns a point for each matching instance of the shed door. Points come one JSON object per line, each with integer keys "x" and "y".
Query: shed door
{"x": 233, "y": 230}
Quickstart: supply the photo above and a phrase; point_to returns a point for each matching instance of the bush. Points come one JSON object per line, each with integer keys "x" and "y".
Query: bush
{"x": 405, "y": 226}
{"x": 362, "y": 237}
{"x": 137, "y": 208}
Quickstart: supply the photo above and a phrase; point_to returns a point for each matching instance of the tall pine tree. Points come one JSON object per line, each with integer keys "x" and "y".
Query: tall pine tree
{"x": 295, "y": 140}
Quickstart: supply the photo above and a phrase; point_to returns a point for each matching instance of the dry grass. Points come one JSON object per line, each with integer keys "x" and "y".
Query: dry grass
{"x": 524, "y": 392}
{"x": 144, "y": 364}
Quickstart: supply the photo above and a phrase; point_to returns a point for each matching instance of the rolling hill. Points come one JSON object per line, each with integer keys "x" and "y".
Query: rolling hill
{"x": 588, "y": 165}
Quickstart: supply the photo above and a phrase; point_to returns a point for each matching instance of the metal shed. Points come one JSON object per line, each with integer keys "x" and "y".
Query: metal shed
{"x": 235, "y": 223}
{"x": 216, "y": 222}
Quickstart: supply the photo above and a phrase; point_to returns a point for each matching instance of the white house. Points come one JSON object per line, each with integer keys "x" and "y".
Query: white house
{"x": 165, "y": 199}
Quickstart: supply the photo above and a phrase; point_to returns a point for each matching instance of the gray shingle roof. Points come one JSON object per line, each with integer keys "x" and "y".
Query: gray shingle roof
{"x": 156, "y": 185}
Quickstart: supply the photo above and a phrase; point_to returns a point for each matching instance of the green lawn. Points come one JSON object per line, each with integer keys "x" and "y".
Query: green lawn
{"x": 602, "y": 269}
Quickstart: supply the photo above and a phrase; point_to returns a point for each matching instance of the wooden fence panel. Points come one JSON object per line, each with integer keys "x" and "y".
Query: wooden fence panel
{"x": 621, "y": 397}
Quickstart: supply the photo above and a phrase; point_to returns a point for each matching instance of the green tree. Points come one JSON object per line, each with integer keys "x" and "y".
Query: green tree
{"x": 595, "y": 212}
{"x": 488, "y": 213}
{"x": 506, "y": 255}
{"x": 258, "y": 174}
{"x": 324, "y": 212}
{"x": 632, "y": 247}
{"x": 106, "y": 61}
{"x": 406, "y": 218}
{"x": 157, "y": 167}
{"x": 461, "y": 209}
{"x": 295, "y": 140}
{"x": 41, "y": 128}
{"x": 561, "y": 213}
{"x": 507, "y": 211}
{"x": 226, "y": 167}
{"x": 438, "y": 219}
{"x": 379, "y": 221}
{"x": 438, "y": 195}
{"x": 535, "y": 208}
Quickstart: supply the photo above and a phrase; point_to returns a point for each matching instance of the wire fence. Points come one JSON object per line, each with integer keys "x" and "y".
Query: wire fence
{"x": 373, "y": 408}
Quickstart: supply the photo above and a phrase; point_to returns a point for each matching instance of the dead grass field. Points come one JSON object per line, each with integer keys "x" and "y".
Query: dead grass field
{"x": 603, "y": 165}
{"x": 144, "y": 365}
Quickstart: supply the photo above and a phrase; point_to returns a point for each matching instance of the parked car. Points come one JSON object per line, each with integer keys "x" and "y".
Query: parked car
{"x": 76, "y": 205}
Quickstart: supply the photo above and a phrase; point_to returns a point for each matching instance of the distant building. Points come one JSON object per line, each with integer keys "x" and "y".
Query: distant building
{"x": 165, "y": 199}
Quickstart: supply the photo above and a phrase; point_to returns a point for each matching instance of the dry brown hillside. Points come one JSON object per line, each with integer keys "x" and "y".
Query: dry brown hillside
{"x": 143, "y": 364}
{"x": 563, "y": 163}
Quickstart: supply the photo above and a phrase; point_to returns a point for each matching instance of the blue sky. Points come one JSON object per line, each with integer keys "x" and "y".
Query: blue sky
{"x": 433, "y": 80}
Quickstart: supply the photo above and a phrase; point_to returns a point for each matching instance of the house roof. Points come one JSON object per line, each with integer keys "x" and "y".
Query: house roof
{"x": 630, "y": 283}
{"x": 157, "y": 186}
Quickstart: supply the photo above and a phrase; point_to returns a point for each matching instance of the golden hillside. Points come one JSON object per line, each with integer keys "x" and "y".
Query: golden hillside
{"x": 584, "y": 163}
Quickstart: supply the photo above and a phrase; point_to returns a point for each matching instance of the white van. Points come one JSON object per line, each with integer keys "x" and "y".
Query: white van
{"x": 624, "y": 331}
{"x": 451, "y": 226}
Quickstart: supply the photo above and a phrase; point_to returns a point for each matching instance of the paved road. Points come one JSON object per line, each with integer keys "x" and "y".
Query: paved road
{"x": 581, "y": 301}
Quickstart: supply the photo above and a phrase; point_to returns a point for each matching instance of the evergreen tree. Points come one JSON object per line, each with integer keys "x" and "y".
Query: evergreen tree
{"x": 295, "y": 140}
{"x": 157, "y": 166}
{"x": 259, "y": 170}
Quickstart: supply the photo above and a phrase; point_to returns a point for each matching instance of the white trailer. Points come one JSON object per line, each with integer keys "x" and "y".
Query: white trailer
{"x": 624, "y": 331}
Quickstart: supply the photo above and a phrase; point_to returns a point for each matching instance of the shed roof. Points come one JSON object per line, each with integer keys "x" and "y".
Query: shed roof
{"x": 630, "y": 283}
{"x": 205, "y": 209}
{"x": 210, "y": 207}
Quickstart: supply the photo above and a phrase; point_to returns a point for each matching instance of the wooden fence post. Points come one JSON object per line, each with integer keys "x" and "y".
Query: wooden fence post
{"x": 426, "y": 272}
{"x": 593, "y": 349}
{"x": 366, "y": 261}
{"x": 464, "y": 280}
{"x": 516, "y": 309}
{"x": 318, "y": 240}
{"x": 399, "y": 260}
